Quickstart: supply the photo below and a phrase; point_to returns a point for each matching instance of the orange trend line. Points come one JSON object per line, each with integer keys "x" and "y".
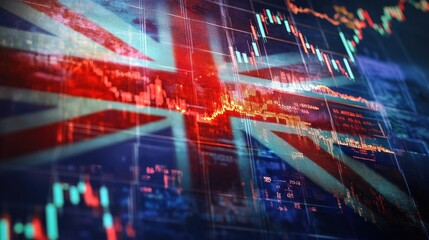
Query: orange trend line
{"x": 295, "y": 9}
{"x": 350, "y": 21}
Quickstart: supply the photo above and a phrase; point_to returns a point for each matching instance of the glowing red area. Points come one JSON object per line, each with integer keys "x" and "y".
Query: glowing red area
{"x": 91, "y": 200}
{"x": 110, "y": 232}
{"x": 74, "y": 130}
{"x": 38, "y": 229}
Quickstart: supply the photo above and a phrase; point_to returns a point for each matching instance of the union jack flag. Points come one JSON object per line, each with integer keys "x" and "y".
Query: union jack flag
{"x": 83, "y": 76}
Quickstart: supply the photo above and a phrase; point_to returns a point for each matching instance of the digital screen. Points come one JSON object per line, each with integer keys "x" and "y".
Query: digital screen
{"x": 214, "y": 119}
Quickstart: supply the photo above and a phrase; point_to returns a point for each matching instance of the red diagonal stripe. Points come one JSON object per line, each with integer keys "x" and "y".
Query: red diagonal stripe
{"x": 361, "y": 190}
{"x": 79, "y": 23}
{"x": 70, "y": 131}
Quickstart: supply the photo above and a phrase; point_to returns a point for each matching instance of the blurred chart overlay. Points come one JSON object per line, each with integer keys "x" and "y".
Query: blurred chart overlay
{"x": 214, "y": 119}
